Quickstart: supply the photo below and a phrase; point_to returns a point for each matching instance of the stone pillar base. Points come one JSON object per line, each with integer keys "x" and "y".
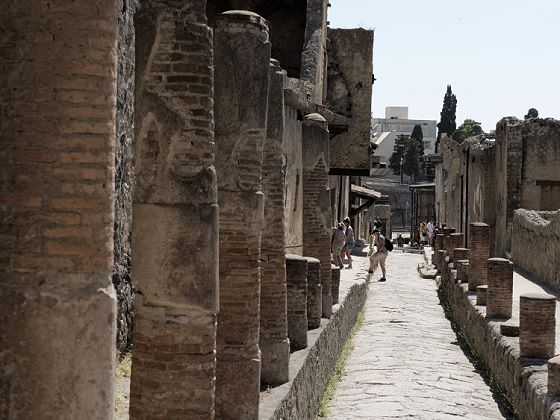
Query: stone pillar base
{"x": 275, "y": 362}
{"x": 327, "y": 306}
{"x": 247, "y": 375}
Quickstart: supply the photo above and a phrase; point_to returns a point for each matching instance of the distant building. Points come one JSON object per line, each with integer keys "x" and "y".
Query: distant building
{"x": 396, "y": 122}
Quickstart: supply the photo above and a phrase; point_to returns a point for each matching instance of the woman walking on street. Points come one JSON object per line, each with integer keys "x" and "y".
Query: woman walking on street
{"x": 350, "y": 242}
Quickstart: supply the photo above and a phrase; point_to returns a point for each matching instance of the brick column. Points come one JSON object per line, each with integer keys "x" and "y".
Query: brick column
{"x": 273, "y": 340}
{"x": 462, "y": 270}
{"x": 316, "y": 200}
{"x": 314, "y": 293}
{"x": 242, "y": 61}
{"x": 296, "y": 276}
{"x": 553, "y": 384}
{"x": 537, "y": 325}
{"x": 448, "y": 231}
{"x": 460, "y": 253}
{"x": 335, "y": 284}
{"x": 441, "y": 259}
{"x": 454, "y": 240}
{"x": 57, "y": 139}
{"x": 481, "y": 294}
{"x": 479, "y": 252}
{"x": 500, "y": 288}
{"x": 175, "y": 226}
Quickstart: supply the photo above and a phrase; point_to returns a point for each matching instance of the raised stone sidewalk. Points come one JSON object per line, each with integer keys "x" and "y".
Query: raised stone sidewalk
{"x": 406, "y": 362}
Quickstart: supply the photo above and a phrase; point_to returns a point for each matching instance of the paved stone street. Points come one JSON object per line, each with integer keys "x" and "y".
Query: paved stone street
{"x": 406, "y": 362}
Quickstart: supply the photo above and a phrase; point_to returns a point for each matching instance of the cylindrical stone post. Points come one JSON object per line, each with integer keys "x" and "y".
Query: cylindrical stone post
{"x": 335, "y": 284}
{"x": 537, "y": 325}
{"x": 296, "y": 276}
{"x": 500, "y": 288}
{"x": 273, "y": 339}
{"x": 553, "y": 383}
{"x": 314, "y": 293}
{"x": 438, "y": 247}
{"x": 175, "y": 216}
{"x": 316, "y": 201}
{"x": 479, "y": 252}
{"x": 57, "y": 166}
{"x": 481, "y": 294}
{"x": 462, "y": 270}
{"x": 241, "y": 75}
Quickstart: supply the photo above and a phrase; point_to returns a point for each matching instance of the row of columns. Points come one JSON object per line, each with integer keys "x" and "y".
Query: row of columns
{"x": 492, "y": 280}
{"x": 212, "y": 303}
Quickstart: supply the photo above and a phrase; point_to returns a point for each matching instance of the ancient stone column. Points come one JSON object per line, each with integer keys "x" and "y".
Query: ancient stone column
{"x": 314, "y": 293}
{"x": 335, "y": 284}
{"x": 296, "y": 276}
{"x": 454, "y": 240}
{"x": 479, "y": 252}
{"x": 500, "y": 288}
{"x": 553, "y": 384}
{"x": 441, "y": 259}
{"x": 462, "y": 270}
{"x": 460, "y": 253}
{"x": 242, "y": 61}
{"x": 438, "y": 247}
{"x": 481, "y": 294}
{"x": 448, "y": 231}
{"x": 57, "y": 139}
{"x": 537, "y": 325}
{"x": 175, "y": 226}
{"x": 316, "y": 200}
{"x": 273, "y": 340}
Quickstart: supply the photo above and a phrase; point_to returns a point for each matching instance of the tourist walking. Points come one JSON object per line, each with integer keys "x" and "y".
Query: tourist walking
{"x": 430, "y": 229}
{"x": 380, "y": 254}
{"x": 350, "y": 242}
{"x": 338, "y": 243}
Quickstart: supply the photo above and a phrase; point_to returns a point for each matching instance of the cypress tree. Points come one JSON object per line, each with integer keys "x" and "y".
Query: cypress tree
{"x": 401, "y": 144}
{"x": 447, "y": 123}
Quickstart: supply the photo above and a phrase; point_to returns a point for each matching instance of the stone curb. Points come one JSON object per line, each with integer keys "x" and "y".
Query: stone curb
{"x": 523, "y": 380}
{"x": 312, "y": 368}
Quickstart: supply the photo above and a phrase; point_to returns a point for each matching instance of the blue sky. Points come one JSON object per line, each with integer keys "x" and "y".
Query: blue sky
{"x": 501, "y": 57}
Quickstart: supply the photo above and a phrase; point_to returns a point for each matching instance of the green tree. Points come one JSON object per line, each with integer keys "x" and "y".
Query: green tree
{"x": 447, "y": 123}
{"x": 468, "y": 129}
{"x": 401, "y": 144}
{"x": 411, "y": 162}
{"x": 532, "y": 113}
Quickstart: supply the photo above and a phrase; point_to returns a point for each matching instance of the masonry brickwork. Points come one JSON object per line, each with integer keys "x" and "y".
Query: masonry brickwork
{"x": 57, "y": 303}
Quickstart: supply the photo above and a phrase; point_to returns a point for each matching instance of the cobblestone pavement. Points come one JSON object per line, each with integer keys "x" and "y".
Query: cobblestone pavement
{"x": 406, "y": 362}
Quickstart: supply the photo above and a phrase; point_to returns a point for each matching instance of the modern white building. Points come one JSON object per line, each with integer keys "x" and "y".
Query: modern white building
{"x": 396, "y": 122}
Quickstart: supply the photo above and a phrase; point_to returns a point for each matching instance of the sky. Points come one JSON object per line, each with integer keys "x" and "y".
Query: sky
{"x": 501, "y": 57}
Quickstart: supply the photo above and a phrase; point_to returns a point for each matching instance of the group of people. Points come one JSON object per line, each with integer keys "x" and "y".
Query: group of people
{"x": 427, "y": 232}
{"x": 343, "y": 241}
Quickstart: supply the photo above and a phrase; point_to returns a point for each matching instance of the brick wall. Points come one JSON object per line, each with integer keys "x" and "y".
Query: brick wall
{"x": 57, "y": 102}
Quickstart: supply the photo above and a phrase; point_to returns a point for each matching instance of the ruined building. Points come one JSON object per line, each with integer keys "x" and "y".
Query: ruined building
{"x": 485, "y": 179}
{"x": 179, "y": 149}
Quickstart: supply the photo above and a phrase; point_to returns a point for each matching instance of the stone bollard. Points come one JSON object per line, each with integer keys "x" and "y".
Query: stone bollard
{"x": 438, "y": 247}
{"x": 453, "y": 241}
{"x": 314, "y": 292}
{"x": 462, "y": 270}
{"x": 296, "y": 278}
{"x": 479, "y": 252}
{"x": 537, "y": 325}
{"x": 500, "y": 288}
{"x": 554, "y": 377}
{"x": 335, "y": 284}
{"x": 481, "y": 293}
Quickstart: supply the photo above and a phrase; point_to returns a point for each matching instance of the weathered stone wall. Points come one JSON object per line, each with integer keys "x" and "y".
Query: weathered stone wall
{"x": 124, "y": 174}
{"x": 527, "y": 157}
{"x": 453, "y": 167}
{"x": 350, "y": 68}
{"x": 175, "y": 229}
{"x": 536, "y": 248}
{"x": 57, "y": 144}
{"x": 313, "y": 60}
{"x": 293, "y": 208}
{"x": 482, "y": 187}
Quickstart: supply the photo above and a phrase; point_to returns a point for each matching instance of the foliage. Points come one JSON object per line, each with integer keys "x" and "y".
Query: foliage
{"x": 532, "y": 113}
{"x": 411, "y": 162}
{"x": 469, "y": 128}
{"x": 447, "y": 123}
{"x": 401, "y": 144}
